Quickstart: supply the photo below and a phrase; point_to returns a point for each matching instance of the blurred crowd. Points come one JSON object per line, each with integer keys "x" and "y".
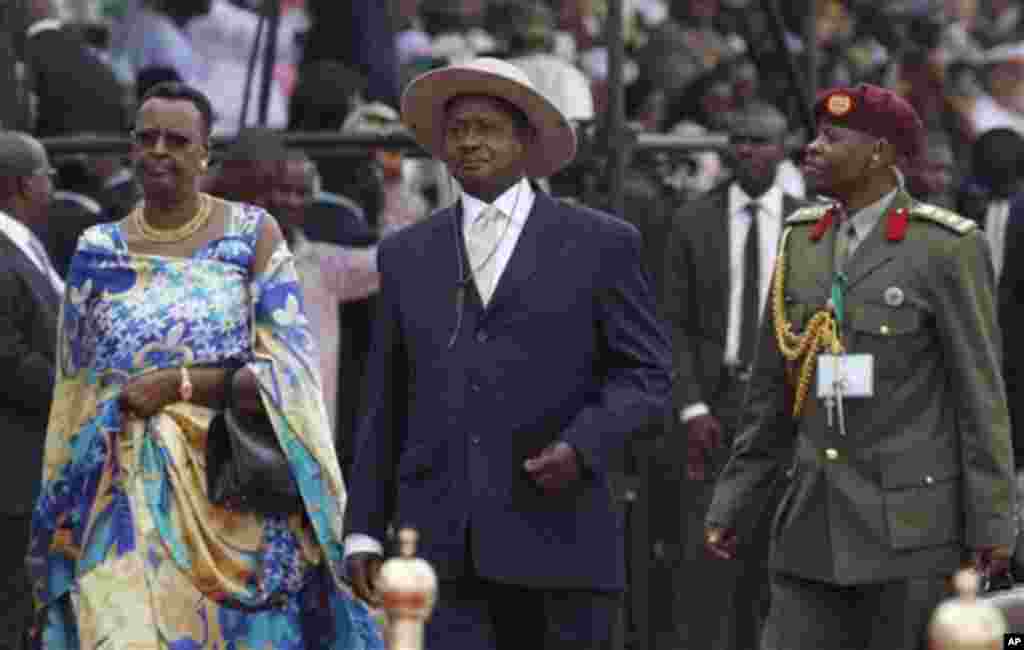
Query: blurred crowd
{"x": 691, "y": 64}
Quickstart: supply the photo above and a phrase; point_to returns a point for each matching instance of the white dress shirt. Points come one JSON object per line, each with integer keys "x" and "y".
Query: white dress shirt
{"x": 769, "y": 228}
{"x": 223, "y": 38}
{"x": 26, "y": 241}
{"x": 996, "y": 217}
{"x": 516, "y": 202}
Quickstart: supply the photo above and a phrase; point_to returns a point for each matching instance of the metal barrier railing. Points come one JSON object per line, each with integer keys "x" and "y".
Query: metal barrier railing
{"x": 327, "y": 143}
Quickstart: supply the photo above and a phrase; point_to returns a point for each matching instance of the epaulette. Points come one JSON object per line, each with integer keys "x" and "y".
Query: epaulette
{"x": 943, "y": 217}
{"x": 809, "y": 214}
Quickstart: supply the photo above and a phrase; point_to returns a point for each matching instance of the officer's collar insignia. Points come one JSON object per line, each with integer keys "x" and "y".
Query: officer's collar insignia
{"x": 839, "y": 104}
{"x": 896, "y": 224}
{"x": 823, "y": 224}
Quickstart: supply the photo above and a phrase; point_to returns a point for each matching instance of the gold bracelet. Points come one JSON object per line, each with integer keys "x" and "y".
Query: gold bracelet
{"x": 185, "y": 388}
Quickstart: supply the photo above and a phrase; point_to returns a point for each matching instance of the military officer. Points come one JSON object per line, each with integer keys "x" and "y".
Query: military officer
{"x": 877, "y": 384}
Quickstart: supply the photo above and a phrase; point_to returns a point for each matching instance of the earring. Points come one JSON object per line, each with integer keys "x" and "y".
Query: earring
{"x": 203, "y": 164}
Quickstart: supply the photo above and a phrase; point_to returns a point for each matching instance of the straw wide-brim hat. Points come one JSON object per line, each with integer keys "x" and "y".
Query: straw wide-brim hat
{"x": 426, "y": 96}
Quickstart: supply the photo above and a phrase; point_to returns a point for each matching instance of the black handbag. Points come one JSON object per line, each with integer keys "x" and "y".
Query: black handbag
{"x": 246, "y": 469}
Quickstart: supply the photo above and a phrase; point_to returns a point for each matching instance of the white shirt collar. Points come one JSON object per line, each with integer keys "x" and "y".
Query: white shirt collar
{"x": 123, "y": 175}
{"x": 514, "y": 202}
{"x": 43, "y": 25}
{"x": 770, "y": 201}
{"x": 82, "y": 200}
{"x": 14, "y": 229}
{"x": 26, "y": 240}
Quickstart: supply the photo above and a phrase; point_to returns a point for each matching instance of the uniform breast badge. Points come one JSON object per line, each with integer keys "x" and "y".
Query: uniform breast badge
{"x": 893, "y": 296}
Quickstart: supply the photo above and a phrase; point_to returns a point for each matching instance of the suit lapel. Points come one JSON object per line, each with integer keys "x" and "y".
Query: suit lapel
{"x": 875, "y": 252}
{"x": 716, "y": 256}
{"x": 539, "y": 241}
{"x": 460, "y": 272}
{"x": 37, "y": 281}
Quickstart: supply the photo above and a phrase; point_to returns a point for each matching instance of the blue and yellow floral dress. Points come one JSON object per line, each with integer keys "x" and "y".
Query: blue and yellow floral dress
{"x": 126, "y": 550}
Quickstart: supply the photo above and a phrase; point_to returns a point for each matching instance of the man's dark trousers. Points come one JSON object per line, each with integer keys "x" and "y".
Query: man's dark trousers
{"x": 722, "y": 604}
{"x": 15, "y": 594}
{"x": 473, "y": 612}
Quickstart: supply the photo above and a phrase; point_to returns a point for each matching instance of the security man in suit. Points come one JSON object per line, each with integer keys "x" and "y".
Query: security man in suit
{"x": 30, "y": 295}
{"x": 718, "y": 268}
{"x": 877, "y": 382}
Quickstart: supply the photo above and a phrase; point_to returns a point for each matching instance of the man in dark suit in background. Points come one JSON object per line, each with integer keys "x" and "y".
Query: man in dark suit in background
{"x": 515, "y": 350}
{"x": 358, "y": 35}
{"x": 30, "y": 295}
{"x": 1011, "y": 320}
{"x": 77, "y": 91}
{"x": 997, "y": 163}
{"x": 719, "y": 261}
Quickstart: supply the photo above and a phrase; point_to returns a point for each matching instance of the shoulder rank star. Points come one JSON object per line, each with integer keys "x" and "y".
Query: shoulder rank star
{"x": 896, "y": 224}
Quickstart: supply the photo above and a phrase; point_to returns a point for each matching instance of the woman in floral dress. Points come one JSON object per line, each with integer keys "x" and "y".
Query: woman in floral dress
{"x": 126, "y": 550}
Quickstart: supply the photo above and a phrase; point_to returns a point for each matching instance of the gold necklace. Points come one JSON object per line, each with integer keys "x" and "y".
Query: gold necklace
{"x": 181, "y": 233}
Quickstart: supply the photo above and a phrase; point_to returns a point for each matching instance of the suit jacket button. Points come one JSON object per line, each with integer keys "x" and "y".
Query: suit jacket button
{"x": 475, "y": 440}
{"x": 474, "y": 387}
{"x": 831, "y": 454}
{"x": 482, "y": 336}
{"x": 928, "y": 480}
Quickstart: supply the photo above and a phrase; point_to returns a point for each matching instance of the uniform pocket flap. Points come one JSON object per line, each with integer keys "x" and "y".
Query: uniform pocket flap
{"x": 922, "y": 492}
{"x": 923, "y": 516}
{"x": 884, "y": 320}
{"x": 920, "y": 467}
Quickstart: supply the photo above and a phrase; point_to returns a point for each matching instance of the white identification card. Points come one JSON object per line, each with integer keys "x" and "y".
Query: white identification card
{"x": 855, "y": 374}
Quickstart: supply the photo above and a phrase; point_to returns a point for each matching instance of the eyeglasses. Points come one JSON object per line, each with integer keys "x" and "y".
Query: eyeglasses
{"x": 48, "y": 172}
{"x": 150, "y": 138}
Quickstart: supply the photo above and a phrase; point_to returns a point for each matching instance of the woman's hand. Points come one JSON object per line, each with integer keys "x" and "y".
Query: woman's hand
{"x": 148, "y": 393}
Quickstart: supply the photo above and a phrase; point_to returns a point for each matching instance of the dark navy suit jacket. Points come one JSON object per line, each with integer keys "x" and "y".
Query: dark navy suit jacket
{"x": 1011, "y": 321}
{"x": 29, "y": 307}
{"x": 569, "y": 348}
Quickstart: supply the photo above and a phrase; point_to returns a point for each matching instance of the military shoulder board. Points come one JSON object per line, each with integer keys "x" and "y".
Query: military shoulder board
{"x": 943, "y": 217}
{"x": 809, "y": 214}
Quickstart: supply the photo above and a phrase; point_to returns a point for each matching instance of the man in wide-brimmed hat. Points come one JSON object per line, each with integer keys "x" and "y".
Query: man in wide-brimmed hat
{"x": 516, "y": 348}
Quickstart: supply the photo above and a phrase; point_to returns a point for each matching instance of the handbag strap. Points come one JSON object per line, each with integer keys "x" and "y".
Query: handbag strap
{"x": 229, "y": 383}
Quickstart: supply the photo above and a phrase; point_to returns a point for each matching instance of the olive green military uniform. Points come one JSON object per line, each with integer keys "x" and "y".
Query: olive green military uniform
{"x": 925, "y": 469}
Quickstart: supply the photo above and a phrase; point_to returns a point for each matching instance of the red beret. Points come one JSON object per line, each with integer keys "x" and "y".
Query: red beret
{"x": 874, "y": 110}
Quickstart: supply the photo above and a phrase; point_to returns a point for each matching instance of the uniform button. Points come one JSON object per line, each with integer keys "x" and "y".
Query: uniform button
{"x": 884, "y": 330}
{"x": 482, "y": 336}
{"x": 831, "y": 454}
{"x": 928, "y": 480}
